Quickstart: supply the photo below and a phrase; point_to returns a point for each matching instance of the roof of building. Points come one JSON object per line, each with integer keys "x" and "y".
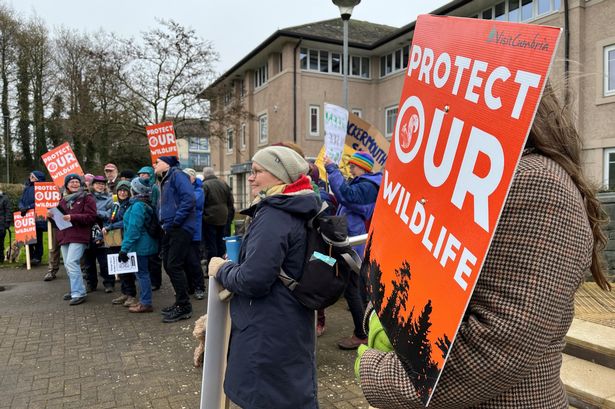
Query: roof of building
{"x": 359, "y": 32}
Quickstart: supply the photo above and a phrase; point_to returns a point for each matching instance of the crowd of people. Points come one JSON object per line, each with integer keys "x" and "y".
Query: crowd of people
{"x": 114, "y": 213}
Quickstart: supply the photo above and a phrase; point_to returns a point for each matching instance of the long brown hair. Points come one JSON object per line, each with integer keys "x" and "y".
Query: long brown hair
{"x": 553, "y": 134}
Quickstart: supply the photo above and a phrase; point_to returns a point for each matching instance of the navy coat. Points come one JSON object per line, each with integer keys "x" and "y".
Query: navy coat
{"x": 177, "y": 201}
{"x": 271, "y": 361}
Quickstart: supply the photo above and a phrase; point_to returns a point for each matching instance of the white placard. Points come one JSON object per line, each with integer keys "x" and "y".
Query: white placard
{"x": 58, "y": 218}
{"x": 117, "y": 267}
{"x": 336, "y": 126}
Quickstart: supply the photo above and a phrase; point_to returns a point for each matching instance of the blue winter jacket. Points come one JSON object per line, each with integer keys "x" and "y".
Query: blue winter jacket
{"x": 104, "y": 207}
{"x": 177, "y": 201}
{"x": 271, "y": 360}
{"x": 199, "y": 197}
{"x": 26, "y": 202}
{"x": 356, "y": 199}
{"x": 117, "y": 215}
{"x": 135, "y": 236}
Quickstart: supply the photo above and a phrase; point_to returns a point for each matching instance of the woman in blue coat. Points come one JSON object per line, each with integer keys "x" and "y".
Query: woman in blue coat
{"x": 137, "y": 239}
{"x": 271, "y": 361}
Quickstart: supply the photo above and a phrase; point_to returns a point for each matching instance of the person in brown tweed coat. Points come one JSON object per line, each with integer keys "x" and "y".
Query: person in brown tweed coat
{"x": 508, "y": 351}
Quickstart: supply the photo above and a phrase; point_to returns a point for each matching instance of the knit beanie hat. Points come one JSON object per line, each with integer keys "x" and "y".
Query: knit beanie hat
{"x": 127, "y": 174}
{"x": 283, "y": 163}
{"x": 363, "y": 160}
{"x": 72, "y": 176}
{"x": 89, "y": 177}
{"x": 140, "y": 187}
{"x": 123, "y": 185}
{"x": 190, "y": 172}
{"x": 170, "y": 160}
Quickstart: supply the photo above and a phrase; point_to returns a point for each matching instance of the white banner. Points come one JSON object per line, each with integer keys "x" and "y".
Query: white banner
{"x": 117, "y": 267}
{"x": 336, "y": 125}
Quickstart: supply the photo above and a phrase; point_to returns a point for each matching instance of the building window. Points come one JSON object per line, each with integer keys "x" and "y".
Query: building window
{"x": 198, "y": 160}
{"x": 242, "y": 89}
{"x": 328, "y": 62}
{"x": 263, "y": 132}
{"x": 357, "y": 112}
{"x": 198, "y": 144}
{"x": 314, "y": 120}
{"x": 395, "y": 61}
{"x": 609, "y": 168}
{"x": 260, "y": 76}
{"x": 609, "y": 70}
{"x": 229, "y": 140}
{"x": 228, "y": 97}
{"x": 243, "y": 136}
{"x": 390, "y": 115}
{"x": 519, "y": 10}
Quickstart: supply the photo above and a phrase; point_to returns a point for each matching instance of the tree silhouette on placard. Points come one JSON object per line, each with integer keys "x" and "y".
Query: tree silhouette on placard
{"x": 408, "y": 334}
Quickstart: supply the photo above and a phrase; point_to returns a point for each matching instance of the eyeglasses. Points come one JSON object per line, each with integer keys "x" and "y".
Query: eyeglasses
{"x": 351, "y": 166}
{"x": 255, "y": 172}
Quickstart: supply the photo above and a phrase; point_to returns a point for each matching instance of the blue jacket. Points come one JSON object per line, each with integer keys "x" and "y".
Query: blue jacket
{"x": 117, "y": 215}
{"x": 104, "y": 207}
{"x": 199, "y": 197}
{"x": 271, "y": 360}
{"x": 177, "y": 201}
{"x": 135, "y": 236}
{"x": 26, "y": 202}
{"x": 356, "y": 199}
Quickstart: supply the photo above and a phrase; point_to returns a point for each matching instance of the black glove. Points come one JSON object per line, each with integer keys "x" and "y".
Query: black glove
{"x": 123, "y": 257}
{"x": 23, "y": 213}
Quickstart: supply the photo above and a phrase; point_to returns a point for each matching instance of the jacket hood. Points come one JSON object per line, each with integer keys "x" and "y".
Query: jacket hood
{"x": 147, "y": 169}
{"x": 305, "y": 205}
{"x": 198, "y": 182}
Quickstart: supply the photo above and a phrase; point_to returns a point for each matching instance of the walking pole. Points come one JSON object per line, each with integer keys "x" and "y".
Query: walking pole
{"x": 27, "y": 256}
{"x": 49, "y": 236}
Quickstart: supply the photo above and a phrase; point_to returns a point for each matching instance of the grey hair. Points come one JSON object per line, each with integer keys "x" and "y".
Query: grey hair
{"x": 208, "y": 171}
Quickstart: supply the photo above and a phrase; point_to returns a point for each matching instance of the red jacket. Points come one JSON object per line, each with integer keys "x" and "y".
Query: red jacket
{"x": 82, "y": 216}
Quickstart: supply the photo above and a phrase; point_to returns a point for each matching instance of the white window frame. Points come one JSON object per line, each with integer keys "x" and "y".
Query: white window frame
{"x": 229, "y": 140}
{"x": 316, "y": 110}
{"x": 263, "y": 118}
{"x": 389, "y": 133}
{"x": 606, "y": 91}
{"x": 605, "y": 166}
{"x": 242, "y": 140}
{"x": 554, "y": 7}
{"x": 261, "y": 76}
{"x": 328, "y": 69}
{"x": 358, "y": 112}
{"x": 394, "y": 56}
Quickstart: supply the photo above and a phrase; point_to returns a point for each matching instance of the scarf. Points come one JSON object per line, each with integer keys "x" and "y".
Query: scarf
{"x": 71, "y": 197}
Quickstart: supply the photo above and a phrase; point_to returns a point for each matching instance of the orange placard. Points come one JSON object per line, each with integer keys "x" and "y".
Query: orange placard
{"x": 60, "y": 162}
{"x": 46, "y": 195}
{"x": 468, "y": 100}
{"x": 25, "y": 228}
{"x": 161, "y": 140}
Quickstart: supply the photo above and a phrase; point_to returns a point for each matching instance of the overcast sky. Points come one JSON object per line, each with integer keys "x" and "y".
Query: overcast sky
{"x": 234, "y": 27}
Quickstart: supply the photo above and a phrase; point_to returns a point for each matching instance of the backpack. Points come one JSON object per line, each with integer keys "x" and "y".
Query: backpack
{"x": 330, "y": 260}
{"x": 153, "y": 227}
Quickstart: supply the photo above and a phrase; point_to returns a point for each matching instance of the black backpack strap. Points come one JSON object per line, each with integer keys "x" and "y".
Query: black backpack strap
{"x": 353, "y": 260}
{"x": 288, "y": 281}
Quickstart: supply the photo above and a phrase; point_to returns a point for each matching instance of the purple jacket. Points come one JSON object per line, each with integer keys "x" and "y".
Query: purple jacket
{"x": 82, "y": 216}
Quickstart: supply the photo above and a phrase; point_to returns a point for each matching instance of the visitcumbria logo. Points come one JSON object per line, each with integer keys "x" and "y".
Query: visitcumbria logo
{"x": 516, "y": 40}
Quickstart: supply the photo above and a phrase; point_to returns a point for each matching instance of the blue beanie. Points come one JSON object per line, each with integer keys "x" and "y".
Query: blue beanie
{"x": 72, "y": 176}
{"x": 170, "y": 160}
{"x": 140, "y": 187}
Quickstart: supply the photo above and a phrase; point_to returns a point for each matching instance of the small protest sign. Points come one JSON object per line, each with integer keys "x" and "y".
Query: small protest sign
{"x": 46, "y": 196}
{"x": 118, "y": 267}
{"x": 161, "y": 140}
{"x": 60, "y": 162}
{"x": 336, "y": 123}
{"x": 468, "y": 101}
{"x": 25, "y": 228}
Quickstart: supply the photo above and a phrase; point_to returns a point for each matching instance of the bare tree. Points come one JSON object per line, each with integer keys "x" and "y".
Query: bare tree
{"x": 8, "y": 50}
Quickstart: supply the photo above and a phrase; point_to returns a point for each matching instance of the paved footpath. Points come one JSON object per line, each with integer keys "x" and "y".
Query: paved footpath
{"x": 98, "y": 355}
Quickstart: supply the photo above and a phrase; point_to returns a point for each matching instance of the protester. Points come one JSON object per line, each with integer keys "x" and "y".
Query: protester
{"x": 137, "y": 239}
{"x": 146, "y": 173}
{"x": 111, "y": 173}
{"x": 5, "y": 221}
{"x": 271, "y": 362}
{"x": 127, "y": 175}
{"x": 218, "y": 205}
{"x": 356, "y": 199}
{"x": 177, "y": 217}
{"x": 79, "y": 208}
{"x": 88, "y": 180}
{"x": 128, "y": 288}
{"x": 26, "y": 203}
{"x": 508, "y": 351}
{"x": 97, "y": 251}
{"x": 194, "y": 271}
{"x": 54, "y": 255}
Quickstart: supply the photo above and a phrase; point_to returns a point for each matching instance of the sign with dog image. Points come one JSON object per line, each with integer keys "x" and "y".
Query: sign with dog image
{"x": 470, "y": 94}
{"x": 25, "y": 228}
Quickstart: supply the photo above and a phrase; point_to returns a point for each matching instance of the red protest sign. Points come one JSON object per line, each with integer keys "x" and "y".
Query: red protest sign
{"x": 46, "y": 195}
{"x": 161, "y": 140}
{"x": 61, "y": 161}
{"x": 469, "y": 98}
{"x": 25, "y": 227}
